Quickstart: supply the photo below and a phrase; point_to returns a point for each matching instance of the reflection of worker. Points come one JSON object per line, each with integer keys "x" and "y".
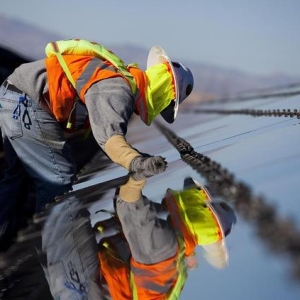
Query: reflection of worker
{"x": 150, "y": 263}
{"x": 72, "y": 89}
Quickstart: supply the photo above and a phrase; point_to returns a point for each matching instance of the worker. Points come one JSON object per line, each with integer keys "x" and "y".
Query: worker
{"x": 146, "y": 257}
{"x": 80, "y": 84}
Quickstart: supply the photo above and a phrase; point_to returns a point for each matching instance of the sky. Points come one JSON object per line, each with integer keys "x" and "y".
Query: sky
{"x": 257, "y": 36}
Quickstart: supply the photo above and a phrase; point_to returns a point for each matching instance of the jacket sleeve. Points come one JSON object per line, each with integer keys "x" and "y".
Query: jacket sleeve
{"x": 110, "y": 106}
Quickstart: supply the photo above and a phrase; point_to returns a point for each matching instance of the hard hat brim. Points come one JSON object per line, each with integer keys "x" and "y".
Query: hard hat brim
{"x": 157, "y": 55}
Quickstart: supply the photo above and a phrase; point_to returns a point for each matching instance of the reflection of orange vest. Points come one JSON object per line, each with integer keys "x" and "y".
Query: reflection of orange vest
{"x": 85, "y": 71}
{"x": 116, "y": 274}
{"x": 158, "y": 281}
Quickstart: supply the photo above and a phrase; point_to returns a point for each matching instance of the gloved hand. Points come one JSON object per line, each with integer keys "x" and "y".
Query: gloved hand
{"x": 144, "y": 167}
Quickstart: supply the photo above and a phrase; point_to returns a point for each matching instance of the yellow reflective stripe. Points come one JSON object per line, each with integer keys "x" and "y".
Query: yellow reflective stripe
{"x": 131, "y": 82}
{"x": 63, "y": 63}
{"x": 133, "y": 286}
{"x": 174, "y": 294}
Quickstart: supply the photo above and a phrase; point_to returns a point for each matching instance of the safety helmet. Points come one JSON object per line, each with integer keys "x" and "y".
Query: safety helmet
{"x": 183, "y": 80}
{"x": 223, "y": 213}
{"x": 216, "y": 254}
{"x": 215, "y": 250}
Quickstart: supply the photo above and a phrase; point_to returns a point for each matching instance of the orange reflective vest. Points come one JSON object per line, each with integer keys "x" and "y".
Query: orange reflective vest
{"x": 86, "y": 70}
{"x": 137, "y": 281}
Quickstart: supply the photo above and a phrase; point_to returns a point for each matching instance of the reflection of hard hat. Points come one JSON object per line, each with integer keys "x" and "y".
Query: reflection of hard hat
{"x": 195, "y": 214}
{"x": 222, "y": 211}
{"x": 183, "y": 80}
{"x": 226, "y": 216}
{"x": 216, "y": 254}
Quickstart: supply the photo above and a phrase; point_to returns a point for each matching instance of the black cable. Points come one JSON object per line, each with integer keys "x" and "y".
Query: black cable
{"x": 253, "y": 112}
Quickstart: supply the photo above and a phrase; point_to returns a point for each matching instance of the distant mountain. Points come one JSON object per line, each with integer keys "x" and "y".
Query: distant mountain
{"x": 210, "y": 80}
{"x": 24, "y": 38}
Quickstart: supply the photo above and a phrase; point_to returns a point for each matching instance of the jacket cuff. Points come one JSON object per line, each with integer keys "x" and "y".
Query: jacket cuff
{"x": 132, "y": 190}
{"x": 119, "y": 151}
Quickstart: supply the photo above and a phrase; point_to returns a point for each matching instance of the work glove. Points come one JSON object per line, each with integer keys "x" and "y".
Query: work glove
{"x": 144, "y": 167}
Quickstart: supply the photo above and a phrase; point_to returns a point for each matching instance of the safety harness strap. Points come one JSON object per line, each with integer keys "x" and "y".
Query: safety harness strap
{"x": 63, "y": 63}
{"x": 70, "y": 78}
